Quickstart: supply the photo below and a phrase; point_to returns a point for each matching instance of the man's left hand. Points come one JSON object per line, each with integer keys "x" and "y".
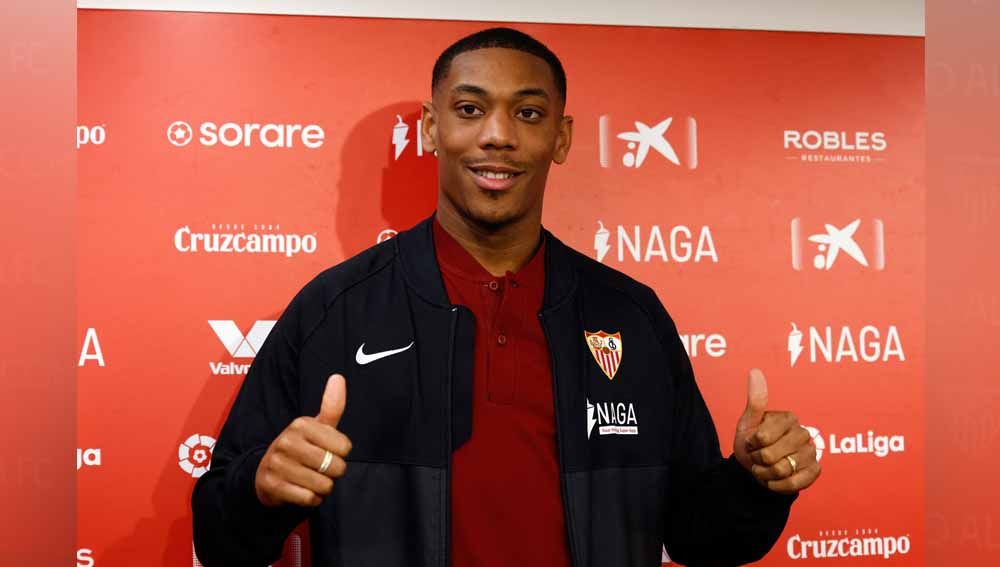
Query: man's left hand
{"x": 772, "y": 445}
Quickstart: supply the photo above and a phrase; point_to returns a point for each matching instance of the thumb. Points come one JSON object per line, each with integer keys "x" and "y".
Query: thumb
{"x": 334, "y": 399}
{"x": 756, "y": 400}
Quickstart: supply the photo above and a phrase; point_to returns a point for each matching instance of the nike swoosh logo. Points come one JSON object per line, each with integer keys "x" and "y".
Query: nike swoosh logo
{"x": 363, "y": 358}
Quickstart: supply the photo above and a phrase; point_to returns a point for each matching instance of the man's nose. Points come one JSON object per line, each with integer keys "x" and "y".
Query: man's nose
{"x": 498, "y": 132}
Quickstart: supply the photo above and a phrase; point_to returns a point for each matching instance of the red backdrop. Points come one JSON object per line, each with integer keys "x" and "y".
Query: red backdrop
{"x": 224, "y": 160}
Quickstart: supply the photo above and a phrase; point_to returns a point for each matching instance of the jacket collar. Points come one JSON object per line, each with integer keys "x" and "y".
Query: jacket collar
{"x": 415, "y": 248}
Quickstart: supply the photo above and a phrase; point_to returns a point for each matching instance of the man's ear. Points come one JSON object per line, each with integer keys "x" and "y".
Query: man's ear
{"x": 428, "y": 127}
{"x": 564, "y": 140}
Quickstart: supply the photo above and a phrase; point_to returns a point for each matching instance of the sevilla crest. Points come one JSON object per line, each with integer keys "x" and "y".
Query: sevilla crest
{"x": 607, "y": 350}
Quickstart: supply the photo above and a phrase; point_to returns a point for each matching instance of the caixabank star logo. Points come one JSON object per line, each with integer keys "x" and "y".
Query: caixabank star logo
{"x": 633, "y": 143}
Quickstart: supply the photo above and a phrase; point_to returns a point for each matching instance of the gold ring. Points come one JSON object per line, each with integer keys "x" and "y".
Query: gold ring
{"x": 792, "y": 462}
{"x": 328, "y": 458}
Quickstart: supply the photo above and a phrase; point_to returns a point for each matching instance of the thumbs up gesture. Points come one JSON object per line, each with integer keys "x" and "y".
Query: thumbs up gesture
{"x": 301, "y": 463}
{"x": 772, "y": 445}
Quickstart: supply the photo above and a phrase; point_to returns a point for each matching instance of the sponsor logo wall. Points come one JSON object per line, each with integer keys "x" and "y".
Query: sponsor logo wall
{"x": 774, "y": 203}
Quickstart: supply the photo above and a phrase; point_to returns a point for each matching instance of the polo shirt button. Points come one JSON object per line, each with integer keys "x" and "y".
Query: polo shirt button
{"x": 502, "y": 339}
{"x": 494, "y": 285}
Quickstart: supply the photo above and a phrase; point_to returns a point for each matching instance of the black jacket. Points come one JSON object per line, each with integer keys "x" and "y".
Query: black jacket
{"x": 623, "y": 495}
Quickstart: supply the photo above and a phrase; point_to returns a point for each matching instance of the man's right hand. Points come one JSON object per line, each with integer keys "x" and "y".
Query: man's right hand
{"x": 289, "y": 472}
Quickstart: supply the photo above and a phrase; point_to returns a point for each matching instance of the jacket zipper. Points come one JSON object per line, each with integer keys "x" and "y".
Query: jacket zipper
{"x": 567, "y": 517}
{"x": 448, "y": 439}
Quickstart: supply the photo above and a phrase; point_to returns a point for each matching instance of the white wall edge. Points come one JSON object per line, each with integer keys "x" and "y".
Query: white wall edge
{"x": 876, "y": 17}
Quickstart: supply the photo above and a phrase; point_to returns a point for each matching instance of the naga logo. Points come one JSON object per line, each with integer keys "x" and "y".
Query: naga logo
{"x": 644, "y": 138}
{"x": 611, "y": 418}
{"x": 870, "y": 344}
{"x": 232, "y": 134}
{"x": 860, "y": 443}
{"x": 238, "y": 345}
{"x": 195, "y": 454}
{"x": 88, "y": 458}
{"x": 838, "y": 544}
{"x": 680, "y": 245}
{"x": 830, "y": 146}
{"x": 714, "y": 345}
{"x": 234, "y": 239}
{"x": 833, "y": 240}
{"x": 400, "y": 137}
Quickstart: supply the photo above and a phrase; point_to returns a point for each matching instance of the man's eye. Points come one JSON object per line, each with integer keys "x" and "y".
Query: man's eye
{"x": 468, "y": 110}
{"x": 530, "y": 113}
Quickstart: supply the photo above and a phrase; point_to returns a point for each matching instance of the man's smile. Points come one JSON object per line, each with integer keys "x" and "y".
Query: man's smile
{"x": 494, "y": 177}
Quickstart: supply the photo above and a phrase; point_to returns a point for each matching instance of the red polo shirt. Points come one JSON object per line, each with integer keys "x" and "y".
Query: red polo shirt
{"x": 506, "y": 504}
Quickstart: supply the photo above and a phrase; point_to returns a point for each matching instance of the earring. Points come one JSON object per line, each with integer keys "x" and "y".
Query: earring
{"x": 435, "y": 153}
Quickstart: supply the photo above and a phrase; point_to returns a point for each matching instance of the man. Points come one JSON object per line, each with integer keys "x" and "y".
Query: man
{"x": 494, "y": 418}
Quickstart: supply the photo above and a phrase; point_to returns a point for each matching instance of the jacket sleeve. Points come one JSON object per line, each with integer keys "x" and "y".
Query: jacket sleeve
{"x": 231, "y": 526}
{"x": 718, "y": 513}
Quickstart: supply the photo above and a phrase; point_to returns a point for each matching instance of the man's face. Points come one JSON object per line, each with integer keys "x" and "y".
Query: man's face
{"x": 497, "y": 123}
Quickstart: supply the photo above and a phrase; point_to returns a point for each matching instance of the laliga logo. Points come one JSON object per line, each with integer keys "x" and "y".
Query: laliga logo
{"x": 879, "y": 445}
{"x": 195, "y": 454}
{"x": 231, "y": 134}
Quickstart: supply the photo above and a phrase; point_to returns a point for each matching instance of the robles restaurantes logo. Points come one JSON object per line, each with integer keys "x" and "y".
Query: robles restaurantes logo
{"x": 869, "y": 344}
{"x": 248, "y": 134}
{"x": 857, "y": 444}
{"x": 830, "y": 146}
{"x": 238, "y": 344}
{"x": 645, "y": 244}
{"x": 236, "y": 239}
{"x": 838, "y": 544}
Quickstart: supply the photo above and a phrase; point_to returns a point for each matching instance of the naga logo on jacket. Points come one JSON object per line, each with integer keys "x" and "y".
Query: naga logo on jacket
{"x": 612, "y": 418}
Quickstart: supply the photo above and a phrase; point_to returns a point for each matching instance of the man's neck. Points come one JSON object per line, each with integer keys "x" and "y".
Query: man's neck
{"x": 498, "y": 252}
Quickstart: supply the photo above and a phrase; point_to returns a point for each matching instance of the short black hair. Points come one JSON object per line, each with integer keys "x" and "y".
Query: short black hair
{"x": 500, "y": 37}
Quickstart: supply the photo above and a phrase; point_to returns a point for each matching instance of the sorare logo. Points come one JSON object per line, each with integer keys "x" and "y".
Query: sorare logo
{"x": 246, "y": 135}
